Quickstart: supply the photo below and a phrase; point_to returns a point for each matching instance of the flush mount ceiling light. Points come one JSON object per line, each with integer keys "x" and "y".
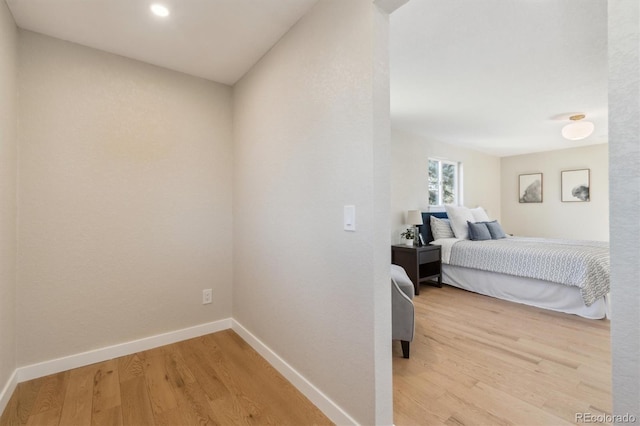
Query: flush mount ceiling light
{"x": 160, "y": 10}
{"x": 577, "y": 129}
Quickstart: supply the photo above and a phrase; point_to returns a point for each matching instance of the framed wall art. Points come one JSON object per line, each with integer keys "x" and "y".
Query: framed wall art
{"x": 575, "y": 185}
{"x": 530, "y": 188}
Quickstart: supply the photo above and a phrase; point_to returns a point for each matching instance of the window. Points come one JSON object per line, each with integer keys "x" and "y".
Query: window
{"x": 444, "y": 182}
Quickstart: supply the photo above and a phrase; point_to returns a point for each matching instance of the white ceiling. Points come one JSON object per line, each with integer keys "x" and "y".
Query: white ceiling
{"x": 215, "y": 39}
{"x": 493, "y": 75}
{"x": 486, "y": 74}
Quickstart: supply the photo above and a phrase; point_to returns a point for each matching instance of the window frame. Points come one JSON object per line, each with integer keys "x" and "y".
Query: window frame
{"x": 457, "y": 186}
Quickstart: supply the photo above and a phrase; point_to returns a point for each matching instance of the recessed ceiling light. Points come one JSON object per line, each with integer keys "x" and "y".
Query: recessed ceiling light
{"x": 159, "y": 10}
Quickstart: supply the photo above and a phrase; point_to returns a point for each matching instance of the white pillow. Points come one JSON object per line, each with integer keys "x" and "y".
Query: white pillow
{"x": 459, "y": 215}
{"x": 441, "y": 228}
{"x": 480, "y": 215}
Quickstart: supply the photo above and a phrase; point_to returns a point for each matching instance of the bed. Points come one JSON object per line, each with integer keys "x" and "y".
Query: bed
{"x": 574, "y": 278}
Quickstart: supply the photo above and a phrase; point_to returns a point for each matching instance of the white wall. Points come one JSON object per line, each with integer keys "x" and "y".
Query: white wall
{"x": 310, "y": 136}
{"x": 624, "y": 140}
{"x": 410, "y": 179}
{"x": 8, "y": 173}
{"x": 552, "y": 218}
{"x": 124, "y": 199}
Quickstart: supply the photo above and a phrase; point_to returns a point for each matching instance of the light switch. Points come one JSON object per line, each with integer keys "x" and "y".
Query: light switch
{"x": 349, "y": 218}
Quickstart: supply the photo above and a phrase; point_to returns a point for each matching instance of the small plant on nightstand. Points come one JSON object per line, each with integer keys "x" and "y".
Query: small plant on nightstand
{"x": 408, "y": 235}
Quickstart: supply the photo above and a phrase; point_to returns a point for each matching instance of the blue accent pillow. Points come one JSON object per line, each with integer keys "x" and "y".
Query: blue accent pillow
{"x": 478, "y": 231}
{"x": 495, "y": 230}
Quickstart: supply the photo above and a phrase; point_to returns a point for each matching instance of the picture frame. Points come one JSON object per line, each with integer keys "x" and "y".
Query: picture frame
{"x": 575, "y": 186}
{"x": 530, "y": 188}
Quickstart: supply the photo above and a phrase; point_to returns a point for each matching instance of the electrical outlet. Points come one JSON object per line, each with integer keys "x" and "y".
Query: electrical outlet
{"x": 206, "y": 296}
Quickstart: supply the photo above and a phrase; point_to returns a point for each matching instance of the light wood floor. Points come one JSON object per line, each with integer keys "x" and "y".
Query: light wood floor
{"x": 477, "y": 360}
{"x": 215, "y": 379}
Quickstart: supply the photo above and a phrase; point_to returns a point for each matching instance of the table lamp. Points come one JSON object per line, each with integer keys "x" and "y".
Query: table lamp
{"x": 414, "y": 217}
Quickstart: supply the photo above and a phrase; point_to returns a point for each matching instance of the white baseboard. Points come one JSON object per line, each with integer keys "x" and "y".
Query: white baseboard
{"x": 315, "y": 395}
{"x": 103, "y": 354}
{"x": 7, "y": 391}
{"x": 45, "y": 368}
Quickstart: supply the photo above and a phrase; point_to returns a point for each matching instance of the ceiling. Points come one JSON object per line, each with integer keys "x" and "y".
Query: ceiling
{"x": 491, "y": 75}
{"x": 496, "y": 75}
{"x": 219, "y": 40}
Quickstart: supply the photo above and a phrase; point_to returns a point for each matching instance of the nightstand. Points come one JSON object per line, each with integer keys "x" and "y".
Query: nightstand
{"x": 423, "y": 264}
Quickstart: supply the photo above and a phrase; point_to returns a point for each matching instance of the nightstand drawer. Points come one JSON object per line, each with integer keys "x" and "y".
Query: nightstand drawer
{"x": 429, "y": 256}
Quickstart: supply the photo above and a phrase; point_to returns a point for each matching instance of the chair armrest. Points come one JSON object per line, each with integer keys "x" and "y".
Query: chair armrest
{"x": 402, "y": 314}
{"x": 399, "y": 275}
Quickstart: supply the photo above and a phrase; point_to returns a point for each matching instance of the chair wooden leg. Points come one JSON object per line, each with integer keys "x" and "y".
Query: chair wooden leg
{"x": 405, "y": 348}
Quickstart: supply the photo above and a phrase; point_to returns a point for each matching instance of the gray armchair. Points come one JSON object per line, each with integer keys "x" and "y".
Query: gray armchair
{"x": 402, "y": 311}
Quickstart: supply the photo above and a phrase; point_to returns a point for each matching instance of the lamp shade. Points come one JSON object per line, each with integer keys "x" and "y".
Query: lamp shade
{"x": 577, "y": 130}
{"x": 414, "y": 217}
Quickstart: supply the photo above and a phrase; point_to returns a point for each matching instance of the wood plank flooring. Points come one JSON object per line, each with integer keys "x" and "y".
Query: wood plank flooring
{"x": 476, "y": 360}
{"x": 217, "y": 379}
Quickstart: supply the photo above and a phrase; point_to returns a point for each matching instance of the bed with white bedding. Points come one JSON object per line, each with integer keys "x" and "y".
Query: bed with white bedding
{"x": 562, "y": 275}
